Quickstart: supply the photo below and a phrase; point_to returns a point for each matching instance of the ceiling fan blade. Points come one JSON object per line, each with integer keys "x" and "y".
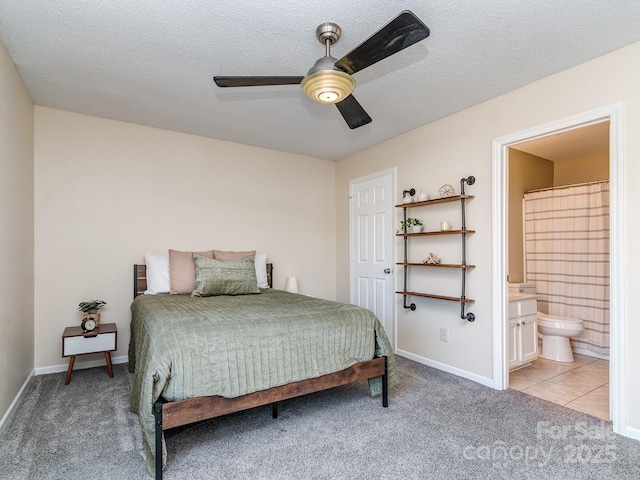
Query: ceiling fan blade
{"x": 255, "y": 81}
{"x": 400, "y": 33}
{"x": 353, "y": 113}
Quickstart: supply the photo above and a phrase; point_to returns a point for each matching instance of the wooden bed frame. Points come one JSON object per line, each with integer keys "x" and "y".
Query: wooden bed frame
{"x": 174, "y": 414}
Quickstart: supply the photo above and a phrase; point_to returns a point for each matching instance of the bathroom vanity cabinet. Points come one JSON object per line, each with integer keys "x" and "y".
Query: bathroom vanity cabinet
{"x": 523, "y": 330}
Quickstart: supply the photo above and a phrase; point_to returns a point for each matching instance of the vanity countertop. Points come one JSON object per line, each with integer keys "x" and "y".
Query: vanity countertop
{"x": 516, "y": 297}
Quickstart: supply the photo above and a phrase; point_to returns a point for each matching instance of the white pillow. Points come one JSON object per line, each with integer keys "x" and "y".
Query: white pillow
{"x": 261, "y": 270}
{"x": 157, "y": 273}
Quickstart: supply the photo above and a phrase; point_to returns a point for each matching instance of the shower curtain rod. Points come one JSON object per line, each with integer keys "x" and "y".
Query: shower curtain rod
{"x": 560, "y": 187}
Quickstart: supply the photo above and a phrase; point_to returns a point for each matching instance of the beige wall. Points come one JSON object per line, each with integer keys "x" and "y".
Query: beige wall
{"x": 461, "y": 145}
{"x": 526, "y": 172}
{"x": 107, "y": 191}
{"x": 586, "y": 168}
{"x": 16, "y": 232}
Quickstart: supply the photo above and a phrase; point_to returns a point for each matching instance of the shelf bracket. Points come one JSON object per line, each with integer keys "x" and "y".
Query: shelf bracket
{"x": 470, "y": 180}
{"x": 411, "y": 191}
{"x": 411, "y": 306}
{"x": 469, "y": 316}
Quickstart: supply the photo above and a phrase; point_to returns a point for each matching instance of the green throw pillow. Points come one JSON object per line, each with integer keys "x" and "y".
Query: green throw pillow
{"x": 234, "y": 277}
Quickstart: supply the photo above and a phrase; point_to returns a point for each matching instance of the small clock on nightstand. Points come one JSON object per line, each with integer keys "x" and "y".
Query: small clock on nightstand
{"x": 88, "y": 324}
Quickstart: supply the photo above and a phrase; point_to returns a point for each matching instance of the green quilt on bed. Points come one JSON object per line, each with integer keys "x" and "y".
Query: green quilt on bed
{"x": 183, "y": 347}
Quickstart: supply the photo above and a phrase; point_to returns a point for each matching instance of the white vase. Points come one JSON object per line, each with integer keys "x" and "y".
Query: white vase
{"x": 422, "y": 197}
{"x": 416, "y": 228}
{"x": 291, "y": 285}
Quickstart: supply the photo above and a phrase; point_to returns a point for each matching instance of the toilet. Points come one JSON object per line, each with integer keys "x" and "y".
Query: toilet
{"x": 554, "y": 330}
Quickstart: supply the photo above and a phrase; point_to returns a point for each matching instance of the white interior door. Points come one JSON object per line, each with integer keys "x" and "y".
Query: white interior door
{"x": 372, "y": 241}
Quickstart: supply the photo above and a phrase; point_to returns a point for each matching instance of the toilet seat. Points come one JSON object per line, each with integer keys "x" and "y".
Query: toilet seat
{"x": 558, "y": 321}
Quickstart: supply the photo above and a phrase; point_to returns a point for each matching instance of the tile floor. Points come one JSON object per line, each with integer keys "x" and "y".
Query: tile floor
{"x": 582, "y": 385}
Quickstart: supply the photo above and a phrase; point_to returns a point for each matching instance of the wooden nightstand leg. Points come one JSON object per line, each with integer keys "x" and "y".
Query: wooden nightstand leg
{"x": 107, "y": 355}
{"x": 72, "y": 359}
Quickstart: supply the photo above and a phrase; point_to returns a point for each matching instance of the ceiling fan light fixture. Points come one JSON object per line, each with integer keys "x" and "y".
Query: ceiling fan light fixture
{"x": 328, "y": 86}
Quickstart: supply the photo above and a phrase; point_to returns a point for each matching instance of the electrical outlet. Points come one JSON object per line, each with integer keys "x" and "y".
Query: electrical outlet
{"x": 444, "y": 334}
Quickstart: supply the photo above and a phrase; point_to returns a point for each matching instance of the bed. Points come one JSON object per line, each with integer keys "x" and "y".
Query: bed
{"x": 198, "y": 358}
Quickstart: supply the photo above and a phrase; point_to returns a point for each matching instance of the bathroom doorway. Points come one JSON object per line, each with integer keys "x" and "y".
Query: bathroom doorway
{"x": 555, "y": 175}
{"x": 607, "y": 118}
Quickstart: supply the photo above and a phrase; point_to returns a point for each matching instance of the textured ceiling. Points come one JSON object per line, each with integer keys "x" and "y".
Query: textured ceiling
{"x": 152, "y": 62}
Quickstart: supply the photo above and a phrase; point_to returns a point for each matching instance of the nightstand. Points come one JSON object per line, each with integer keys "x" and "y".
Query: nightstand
{"x": 75, "y": 341}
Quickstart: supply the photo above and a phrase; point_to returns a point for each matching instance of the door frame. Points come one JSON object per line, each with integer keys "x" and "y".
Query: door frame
{"x": 352, "y": 183}
{"x": 617, "y": 364}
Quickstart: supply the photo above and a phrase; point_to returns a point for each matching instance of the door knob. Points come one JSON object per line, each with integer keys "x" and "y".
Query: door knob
{"x": 387, "y": 270}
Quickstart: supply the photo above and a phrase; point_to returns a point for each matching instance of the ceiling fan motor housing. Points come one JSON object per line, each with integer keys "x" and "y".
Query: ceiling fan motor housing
{"x": 328, "y": 31}
{"x": 324, "y": 82}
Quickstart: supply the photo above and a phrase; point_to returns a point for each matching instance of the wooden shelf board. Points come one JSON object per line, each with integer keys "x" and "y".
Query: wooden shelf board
{"x": 436, "y": 232}
{"x": 438, "y": 265}
{"x": 454, "y": 198}
{"x": 437, "y": 297}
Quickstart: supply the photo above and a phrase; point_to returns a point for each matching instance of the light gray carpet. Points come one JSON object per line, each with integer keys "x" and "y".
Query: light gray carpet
{"x": 437, "y": 426}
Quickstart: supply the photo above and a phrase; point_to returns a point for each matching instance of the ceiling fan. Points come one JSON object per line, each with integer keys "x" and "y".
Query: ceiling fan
{"x": 330, "y": 80}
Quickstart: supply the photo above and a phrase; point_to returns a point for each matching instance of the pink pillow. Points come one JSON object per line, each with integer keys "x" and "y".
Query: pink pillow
{"x": 225, "y": 256}
{"x": 182, "y": 271}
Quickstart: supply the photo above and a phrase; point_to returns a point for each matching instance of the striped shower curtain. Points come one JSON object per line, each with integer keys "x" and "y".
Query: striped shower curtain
{"x": 566, "y": 243}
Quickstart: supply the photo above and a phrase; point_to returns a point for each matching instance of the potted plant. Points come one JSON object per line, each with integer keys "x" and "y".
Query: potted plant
{"x": 413, "y": 224}
{"x": 90, "y": 309}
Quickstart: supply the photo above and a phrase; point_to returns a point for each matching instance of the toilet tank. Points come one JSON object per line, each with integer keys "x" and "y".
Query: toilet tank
{"x": 522, "y": 288}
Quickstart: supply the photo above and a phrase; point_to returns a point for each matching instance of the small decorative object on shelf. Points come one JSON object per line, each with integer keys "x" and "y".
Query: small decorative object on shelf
{"x": 407, "y": 195}
{"x": 422, "y": 197}
{"x": 446, "y": 190}
{"x": 90, "y": 310}
{"x": 444, "y": 226}
{"x": 413, "y": 224}
{"x": 431, "y": 259}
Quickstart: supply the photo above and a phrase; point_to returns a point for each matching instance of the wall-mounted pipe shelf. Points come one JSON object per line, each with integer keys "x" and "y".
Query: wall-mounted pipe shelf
{"x": 437, "y": 265}
{"x": 436, "y": 232}
{"x": 463, "y": 266}
{"x": 436, "y": 297}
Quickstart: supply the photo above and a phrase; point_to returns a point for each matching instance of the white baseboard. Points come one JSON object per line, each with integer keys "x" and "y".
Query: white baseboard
{"x": 80, "y": 365}
{"x": 9, "y": 413}
{"x": 487, "y": 382}
{"x": 632, "y": 432}
{"x": 589, "y": 353}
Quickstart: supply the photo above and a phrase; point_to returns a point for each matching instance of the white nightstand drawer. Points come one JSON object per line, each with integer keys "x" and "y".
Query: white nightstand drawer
{"x": 79, "y": 345}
